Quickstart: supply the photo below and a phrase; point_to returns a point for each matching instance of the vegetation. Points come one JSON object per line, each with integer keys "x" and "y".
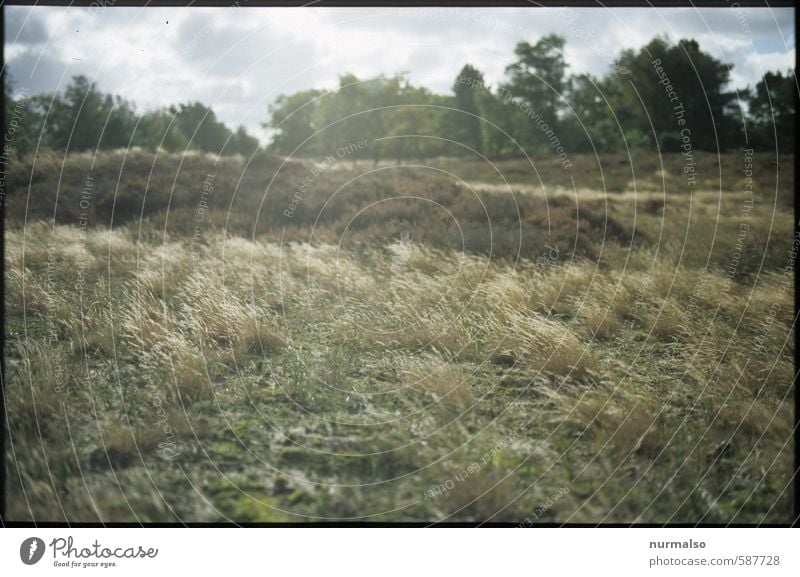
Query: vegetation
{"x": 562, "y": 298}
{"x": 657, "y": 98}
{"x": 662, "y": 97}
{"x": 451, "y": 340}
{"x": 84, "y": 119}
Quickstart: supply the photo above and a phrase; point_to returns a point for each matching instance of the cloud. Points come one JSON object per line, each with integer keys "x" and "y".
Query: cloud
{"x": 22, "y": 29}
{"x": 751, "y": 67}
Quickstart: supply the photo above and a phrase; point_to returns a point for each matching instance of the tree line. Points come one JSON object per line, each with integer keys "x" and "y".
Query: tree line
{"x": 664, "y": 96}
{"x": 670, "y": 97}
{"x": 82, "y": 118}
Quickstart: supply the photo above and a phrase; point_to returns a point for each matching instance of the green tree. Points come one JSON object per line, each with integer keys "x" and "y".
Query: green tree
{"x": 591, "y": 124}
{"x": 24, "y": 119}
{"x": 772, "y": 108}
{"x": 538, "y": 80}
{"x": 501, "y": 126}
{"x": 463, "y": 124}
{"x": 411, "y": 120}
{"x": 76, "y": 120}
{"x": 242, "y": 143}
{"x": 200, "y": 125}
{"x": 119, "y": 124}
{"x": 674, "y": 88}
{"x": 292, "y": 121}
{"x": 157, "y": 129}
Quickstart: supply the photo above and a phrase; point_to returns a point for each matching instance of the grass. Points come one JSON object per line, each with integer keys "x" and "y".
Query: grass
{"x": 605, "y": 356}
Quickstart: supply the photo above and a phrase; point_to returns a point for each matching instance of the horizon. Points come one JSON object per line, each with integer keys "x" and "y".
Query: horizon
{"x": 223, "y": 58}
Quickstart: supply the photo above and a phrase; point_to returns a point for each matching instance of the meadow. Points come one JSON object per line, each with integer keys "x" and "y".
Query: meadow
{"x": 198, "y": 339}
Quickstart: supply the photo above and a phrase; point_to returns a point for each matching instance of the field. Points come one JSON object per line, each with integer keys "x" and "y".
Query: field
{"x": 203, "y": 339}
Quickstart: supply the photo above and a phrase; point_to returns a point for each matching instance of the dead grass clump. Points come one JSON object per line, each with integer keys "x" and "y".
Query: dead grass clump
{"x": 628, "y": 424}
{"x": 162, "y": 268}
{"x": 111, "y": 244}
{"x": 256, "y": 336}
{"x": 161, "y": 345}
{"x": 536, "y": 342}
{"x": 91, "y": 329}
{"x": 603, "y": 306}
{"x": 143, "y": 321}
{"x": 37, "y": 382}
{"x": 559, "y": 287}
{"x": 123, "y": 446}
{"x": 481, "y": 496}
{"x": 220, "y": 319}
{"x": 440, "y": 333}
{"x": 602, "y": 324}
{"x": 186, "y": 371}
{"x": 668, "y": 322}
{"x": 448, "y": 384}
{"x": 23, "y": 292}
{"x": 759, "y": 376}
{"x": 755, "y": 419}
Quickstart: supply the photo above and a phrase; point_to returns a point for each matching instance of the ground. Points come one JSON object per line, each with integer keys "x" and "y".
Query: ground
{"x": 503, "y": 343}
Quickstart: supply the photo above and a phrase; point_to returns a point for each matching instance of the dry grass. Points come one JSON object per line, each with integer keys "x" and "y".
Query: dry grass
{"x": 619, "y": 423}
{"x": 445, "y": 383}
{"x": 538, "y": 343}
{"x": 373, "y": 362}
{"x": 37, "y": 381}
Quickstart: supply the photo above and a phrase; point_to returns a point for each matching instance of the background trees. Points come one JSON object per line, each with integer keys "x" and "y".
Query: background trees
{"x": 538, "y": 82}
{"x": 537, "y": 109}
{"x": 291, "y": 121}
{"x": 664, "y": 77}
{"x": 82, "y": 118}
{"x": 772, "y": 108}
{"x": 463, "y": 123}
{"x": 540, "y": 107}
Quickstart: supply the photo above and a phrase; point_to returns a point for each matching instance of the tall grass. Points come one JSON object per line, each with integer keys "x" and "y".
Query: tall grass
{"x": 343, "y": 371}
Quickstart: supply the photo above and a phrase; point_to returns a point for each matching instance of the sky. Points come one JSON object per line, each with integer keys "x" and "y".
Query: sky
{"x": 238, "y": 59}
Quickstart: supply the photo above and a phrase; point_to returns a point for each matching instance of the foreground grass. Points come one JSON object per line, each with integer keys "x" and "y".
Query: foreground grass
{"x": 214, "y": 377}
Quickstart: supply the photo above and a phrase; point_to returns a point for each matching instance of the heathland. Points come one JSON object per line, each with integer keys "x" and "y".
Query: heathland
{"x": 195, "y": 338}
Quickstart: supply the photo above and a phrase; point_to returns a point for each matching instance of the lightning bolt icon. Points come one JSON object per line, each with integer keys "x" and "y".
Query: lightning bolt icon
{"x": 34, "y": 546}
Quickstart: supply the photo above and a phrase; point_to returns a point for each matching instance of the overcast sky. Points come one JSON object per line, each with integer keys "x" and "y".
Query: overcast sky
{"x": 237, "y": 60}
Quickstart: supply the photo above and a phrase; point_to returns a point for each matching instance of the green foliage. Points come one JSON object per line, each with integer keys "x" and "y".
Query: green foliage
{"x": 663, "y": 79}
{"x": 646, "y": 102}
{"x": 84, "y": 119}
{"x": 772, "y": 109}
{"x": 158, "y": 129}
{"x": 242, "y": 143}
{"x": 463, "y": 123}
{"x": 652, "y": 97}
{"x": 292, "y": 120}
{"x": 538, "y": 79}
{"x": 200, "y": 124}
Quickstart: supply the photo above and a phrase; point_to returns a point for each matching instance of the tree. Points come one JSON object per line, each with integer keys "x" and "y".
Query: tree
{"x": 24, "y": 120}
{"x": 391, "y": 114}
{"x": 463, "y": 124}
{"x": 350, "y": 114}
{"x": 673, "y": 89}
{"x": 502, "y": 122}
{"x": 76, "y": 120}
{"x": 411, "y": 121}
{"x": 538, "y": 77}
{"x": 242, "y": 143}
{"x": 292, "y": 121}
{"x": 200, "y": 125}
{"x": 158, "y": 129}
{"x": 772, "y": 108}
{"x": 120, "y": 123}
